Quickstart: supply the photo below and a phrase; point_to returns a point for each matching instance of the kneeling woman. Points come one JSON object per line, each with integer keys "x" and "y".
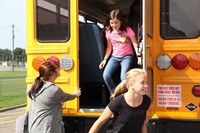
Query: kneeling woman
{"x": 45, "y": 112}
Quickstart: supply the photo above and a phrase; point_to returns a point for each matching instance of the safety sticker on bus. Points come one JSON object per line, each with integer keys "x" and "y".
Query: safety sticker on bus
{"x": 169, "y": 95}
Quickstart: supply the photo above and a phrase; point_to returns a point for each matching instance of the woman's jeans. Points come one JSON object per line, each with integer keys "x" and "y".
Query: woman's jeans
{"x": 113, "y": 63}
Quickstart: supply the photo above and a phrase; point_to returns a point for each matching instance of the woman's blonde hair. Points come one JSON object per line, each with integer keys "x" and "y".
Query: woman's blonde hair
{"x": 130, "y": 77}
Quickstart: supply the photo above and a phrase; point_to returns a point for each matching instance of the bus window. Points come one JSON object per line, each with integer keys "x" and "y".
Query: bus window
{"x": 88, "y": 21}
{"x": 52, "y": 20}
{"x": 180, "y": 18}
{"x": 100, "y": 25}
{"x": 81, "y": 18}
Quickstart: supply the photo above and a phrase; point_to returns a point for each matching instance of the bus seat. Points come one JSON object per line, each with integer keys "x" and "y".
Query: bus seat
{"x": 91, "y": 52}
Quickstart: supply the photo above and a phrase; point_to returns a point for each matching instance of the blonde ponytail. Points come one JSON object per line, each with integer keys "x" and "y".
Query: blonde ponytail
{"x": 120, "y": 89}
{"x": 130, "y": 77}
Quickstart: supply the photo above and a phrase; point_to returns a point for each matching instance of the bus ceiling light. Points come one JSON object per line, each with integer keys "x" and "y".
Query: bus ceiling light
{"x": 194, "y": 61}
{"x": 66, "y": 63}
{"x": 196, "y": 90}
{"x": 180, "y": 61}
{"x": 163, "y": 62}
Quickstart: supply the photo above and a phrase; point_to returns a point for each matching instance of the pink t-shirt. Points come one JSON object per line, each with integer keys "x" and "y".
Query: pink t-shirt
{"x": 120, "y": 41}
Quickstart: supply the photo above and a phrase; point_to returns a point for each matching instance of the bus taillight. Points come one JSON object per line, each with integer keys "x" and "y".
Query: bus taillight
{"x": 196, "y": 90}
{"x": 66, "y": 63}
{"x": 37, "y": 61}
{"x": 180, "y": 61}
{"x": 194, "y": 61}
{"x": 163, "y": 62}
{"x": 55, "y": 60}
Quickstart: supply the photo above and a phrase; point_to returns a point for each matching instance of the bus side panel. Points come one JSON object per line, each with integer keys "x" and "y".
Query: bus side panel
{"x": 173, "y": 126}
{"x": 176, "y": 108}
{"x": 83, "y": 124}
{"x": 68, "y": 79}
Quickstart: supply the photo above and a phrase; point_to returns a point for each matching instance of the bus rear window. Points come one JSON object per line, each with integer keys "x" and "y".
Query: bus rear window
{"x": 180, "y": 19}
{"x": 52, "y": 20}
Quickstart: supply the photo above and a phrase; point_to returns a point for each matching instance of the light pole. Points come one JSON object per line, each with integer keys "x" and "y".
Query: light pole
{"x": 13, "y": 38}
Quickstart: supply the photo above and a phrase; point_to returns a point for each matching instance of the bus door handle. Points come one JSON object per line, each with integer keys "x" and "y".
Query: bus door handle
{"x": 147, "y": 46}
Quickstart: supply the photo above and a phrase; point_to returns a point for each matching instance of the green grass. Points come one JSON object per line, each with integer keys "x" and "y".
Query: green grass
{"x": 12, "y": 74}
{"x": 12, "y": 88}
{"x": 8, "y": 101}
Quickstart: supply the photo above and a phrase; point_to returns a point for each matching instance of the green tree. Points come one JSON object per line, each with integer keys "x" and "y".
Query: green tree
{"x": 1, "y": 54}
{"x": 19, "y": 55}
{"x": 5, "y": 55}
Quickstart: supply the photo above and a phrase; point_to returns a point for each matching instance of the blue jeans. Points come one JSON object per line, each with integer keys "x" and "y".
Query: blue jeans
{"x": 113, "y": 63}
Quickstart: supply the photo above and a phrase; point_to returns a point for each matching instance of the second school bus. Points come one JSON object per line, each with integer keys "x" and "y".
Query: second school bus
{"x": 70, "y": 31}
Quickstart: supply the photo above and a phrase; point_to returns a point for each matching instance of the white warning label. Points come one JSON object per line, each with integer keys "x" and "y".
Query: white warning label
{"x": 169, "y": 95}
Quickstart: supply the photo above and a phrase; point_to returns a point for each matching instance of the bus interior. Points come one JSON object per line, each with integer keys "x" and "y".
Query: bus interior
{"x": 92, "y": 45}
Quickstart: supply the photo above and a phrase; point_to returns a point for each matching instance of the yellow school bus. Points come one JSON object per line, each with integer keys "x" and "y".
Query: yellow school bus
{"x": 71, "y": 31}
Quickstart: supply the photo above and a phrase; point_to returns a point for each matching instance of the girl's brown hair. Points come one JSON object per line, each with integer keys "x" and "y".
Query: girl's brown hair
{"x": 112, "y": 15}
{"x": 46, "y": 70}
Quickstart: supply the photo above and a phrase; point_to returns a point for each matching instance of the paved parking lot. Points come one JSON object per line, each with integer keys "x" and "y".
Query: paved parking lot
{"x": 8, "y": 119}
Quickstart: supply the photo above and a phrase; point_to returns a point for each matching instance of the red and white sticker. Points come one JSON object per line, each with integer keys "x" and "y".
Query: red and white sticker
{"x": 169, "y": 95}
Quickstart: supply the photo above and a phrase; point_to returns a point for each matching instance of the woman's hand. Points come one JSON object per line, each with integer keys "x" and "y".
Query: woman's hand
{"x": 102, "y": 64}
{"x": 107, "y": 113}
{"x": 77, "y": 92}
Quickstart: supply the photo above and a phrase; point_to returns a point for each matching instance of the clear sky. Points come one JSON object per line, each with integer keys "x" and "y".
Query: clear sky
{"x": 12, "y": 12}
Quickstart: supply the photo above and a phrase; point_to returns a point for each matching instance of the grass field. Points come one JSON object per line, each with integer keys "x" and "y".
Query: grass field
{"x": 12, "y": 88}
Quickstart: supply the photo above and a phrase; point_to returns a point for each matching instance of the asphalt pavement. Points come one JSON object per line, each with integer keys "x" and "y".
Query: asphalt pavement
{"x": 8, "y": 118}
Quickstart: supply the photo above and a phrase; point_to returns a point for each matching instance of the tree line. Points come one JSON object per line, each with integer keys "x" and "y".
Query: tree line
{"x": 19, "y": 55}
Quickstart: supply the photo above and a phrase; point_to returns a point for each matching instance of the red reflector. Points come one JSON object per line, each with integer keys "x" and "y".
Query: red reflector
{"x": 196, "y": 90}
{"x": 55, "y": 60}
{"x": 180, "y": 61}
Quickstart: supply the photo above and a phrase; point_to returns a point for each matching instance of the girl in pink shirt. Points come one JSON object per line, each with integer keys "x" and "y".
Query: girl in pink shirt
{"x": 121, "y": 42}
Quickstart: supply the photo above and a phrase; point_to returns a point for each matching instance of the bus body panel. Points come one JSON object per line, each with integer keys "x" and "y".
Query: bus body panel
{"x": 68, "y": 80}
{"x": 174, "y": 107}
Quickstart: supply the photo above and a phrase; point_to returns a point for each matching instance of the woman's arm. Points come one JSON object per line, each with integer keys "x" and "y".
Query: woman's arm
{"x": 107, "y": 54}
{"x": 108, "y": 50}
{"x": 135, "y": 44}
{"x": 107, "y": 113}
{"x": 144, "y": 127}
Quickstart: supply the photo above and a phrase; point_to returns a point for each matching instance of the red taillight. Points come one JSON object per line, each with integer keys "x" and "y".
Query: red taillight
{"x": 55, "y": 60}
{"x": 196, "y": 90}
{"x": 180, "y": 61}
